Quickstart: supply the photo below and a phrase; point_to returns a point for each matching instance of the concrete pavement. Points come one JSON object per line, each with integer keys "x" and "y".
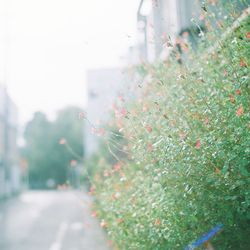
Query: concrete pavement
{"x": 52, "y": 220}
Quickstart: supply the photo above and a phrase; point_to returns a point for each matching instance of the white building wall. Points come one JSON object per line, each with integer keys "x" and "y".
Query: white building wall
{"x": 170, "y": 18}
{"x": 167, "y": 18}
{"x": 103, "y": 86}
{"x": 9, "y": 169}
{"x": 188, "y": 9}
{"x": 151, "y": 47}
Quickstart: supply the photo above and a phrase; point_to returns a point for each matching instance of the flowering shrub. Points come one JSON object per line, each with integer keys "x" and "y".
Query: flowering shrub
{"x": 187, "y": 163}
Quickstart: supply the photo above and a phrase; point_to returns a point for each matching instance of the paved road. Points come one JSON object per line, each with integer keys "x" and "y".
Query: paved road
{"x": 50, "y": 221}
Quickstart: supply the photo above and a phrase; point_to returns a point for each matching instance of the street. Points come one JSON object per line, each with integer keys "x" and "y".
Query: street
{"x": 50, "y": 220}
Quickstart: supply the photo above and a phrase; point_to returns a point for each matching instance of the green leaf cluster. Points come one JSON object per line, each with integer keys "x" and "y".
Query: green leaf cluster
{"x": 192, "y": 171}
{"x": 46, "y": 157}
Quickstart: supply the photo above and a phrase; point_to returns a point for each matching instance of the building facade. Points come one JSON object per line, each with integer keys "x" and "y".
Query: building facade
{"x": 103, "y": 87}
{"x": 9, "y": 169}
{"x": 160, "y": 21}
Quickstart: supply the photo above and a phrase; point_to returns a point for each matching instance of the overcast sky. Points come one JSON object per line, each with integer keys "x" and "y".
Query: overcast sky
{"x": 51, "y": 43}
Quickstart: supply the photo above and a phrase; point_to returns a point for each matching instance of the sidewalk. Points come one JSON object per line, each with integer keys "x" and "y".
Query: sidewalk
{"x": 50, "y": 220}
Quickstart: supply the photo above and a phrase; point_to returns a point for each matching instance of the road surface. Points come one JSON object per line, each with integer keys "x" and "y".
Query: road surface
{"x": 52, "y": 220}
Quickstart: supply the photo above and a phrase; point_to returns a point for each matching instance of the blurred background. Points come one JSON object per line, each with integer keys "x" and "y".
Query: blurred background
{"x": 47, "y": 50}
{"x": 63, "y": 61}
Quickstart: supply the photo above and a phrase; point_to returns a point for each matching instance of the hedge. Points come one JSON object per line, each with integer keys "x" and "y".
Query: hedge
{"x": 185, "y": 148}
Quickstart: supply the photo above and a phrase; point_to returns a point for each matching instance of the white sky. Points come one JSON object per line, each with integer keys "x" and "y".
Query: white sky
{"x": 53, "y": 42}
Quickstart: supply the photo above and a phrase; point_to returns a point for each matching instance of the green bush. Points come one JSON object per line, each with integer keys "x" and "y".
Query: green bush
{"x": 187, "y": 166}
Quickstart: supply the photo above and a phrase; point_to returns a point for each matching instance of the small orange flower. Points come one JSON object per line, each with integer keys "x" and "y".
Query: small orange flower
{"x": 113, "y": 197}
{"x": 122, "y": 174}
{"x": 62, "y": 141}
{"x": 217, "y": 171}
{"x": 231, "y": 97}
{"x": 92, "y": 190}
{"x": 248, "y": 35}
{"x": 120, "y": 98}
{"x": 93, "y": 130}
{"x": 149, "y": 128}
{"x": 106, "y": 173}
{"x": 157, "y": 222}
{"x": 73, "y": 163}
{"x": 206, "y": 121}
{"x": 110, "y": 243}
{"x": 150, "y": 147}
{"x": 103, "y": 224}
{"x": 123, "y": 112}
{"x": 119, "y": 124}
{"x": 114, "y": 106}
{"x": 120, "y": 220}
{"x": 198, "y": 144}
{"x": 243, "y": 63}
{"x": 202, "y": 17}
{"x": 94, "y": 214}
{"x": 101, "y": 132}
{"x": 213, "y": 2}
{"x": 185, "y": 34}
{"x": 81, "y": 115}
{"x": 144, "y": 108}
{"x": 238, "y": 92}
{"x": 117, "y": 166}
{"x": 240, "y": 111}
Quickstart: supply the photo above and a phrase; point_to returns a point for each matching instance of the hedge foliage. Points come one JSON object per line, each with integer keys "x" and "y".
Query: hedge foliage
{"x": 187, "y": 143}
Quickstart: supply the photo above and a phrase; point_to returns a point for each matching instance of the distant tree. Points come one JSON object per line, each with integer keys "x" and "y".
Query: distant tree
{"x": 67, "y": 126}
{"x": 47, "y": 158}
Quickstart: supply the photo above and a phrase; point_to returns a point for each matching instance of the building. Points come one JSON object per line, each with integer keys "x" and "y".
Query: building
{"x": 103, "y": 87}
{"x": 154, "y": 18}
{"x": 9, "y": 169}
{"x": 160, "y": 21}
